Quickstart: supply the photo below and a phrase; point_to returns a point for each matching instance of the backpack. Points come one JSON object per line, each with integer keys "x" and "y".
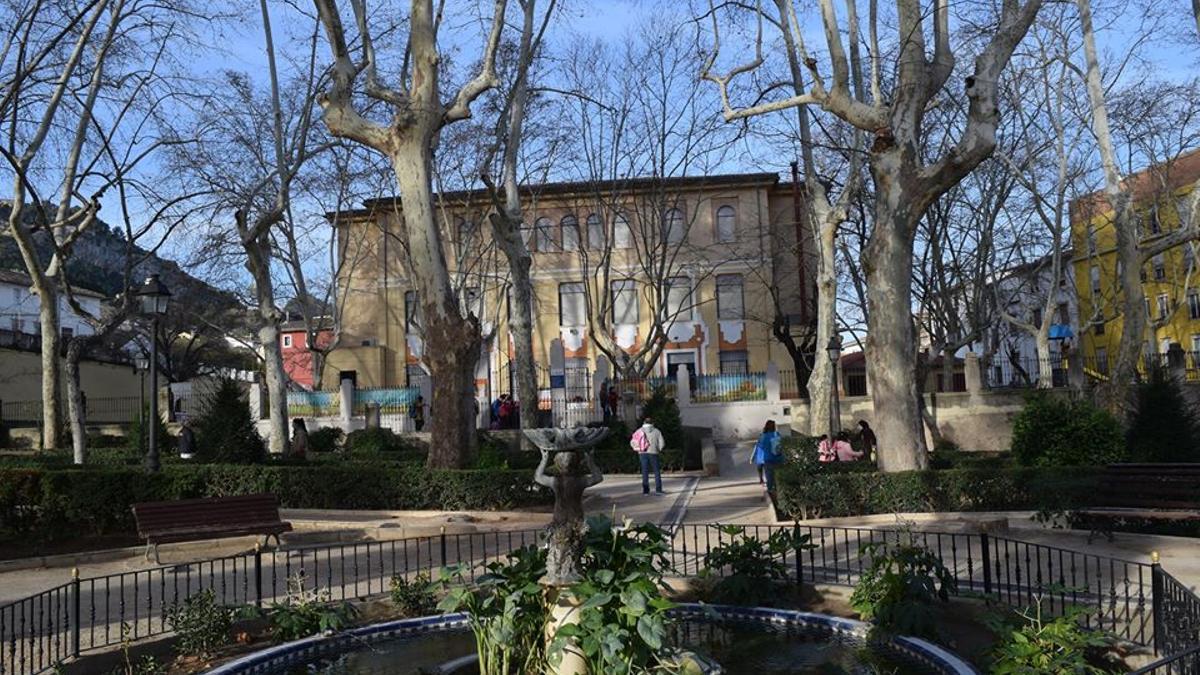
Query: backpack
{"x": 639, "y": 442}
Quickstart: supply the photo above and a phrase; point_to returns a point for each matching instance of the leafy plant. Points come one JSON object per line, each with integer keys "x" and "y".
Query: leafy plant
{"x": 415, "y": 597}
{"x": 1040, "y": 644}
{"x": 1051, "y": 431}
{"x": 622, "y": 613}
{"x": 754, "y": 564}
{"x": 1164, "y": 427}
{"x": 137, "y": 441}
{"x": 304, "y": 612}
{"x": 147, "y": 665}
{"x": 200, "y": 623}
{"x": 226, "y": 432}
{"x": 900, "y": 585}
{"x": 506, "y": 611}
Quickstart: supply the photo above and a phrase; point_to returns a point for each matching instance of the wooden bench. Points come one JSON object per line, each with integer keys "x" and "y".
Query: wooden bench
{"x": 1133, "y": 493}
{"x": 208, "y": 518}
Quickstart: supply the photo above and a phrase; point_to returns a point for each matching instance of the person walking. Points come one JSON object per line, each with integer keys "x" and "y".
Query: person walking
{"x": 647, "y": 442}
{"x": 417, "y": 412}
{"x": 767, "y": 455}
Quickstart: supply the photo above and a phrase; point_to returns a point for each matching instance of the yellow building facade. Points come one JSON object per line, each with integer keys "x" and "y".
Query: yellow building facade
{"x": 707, "y": 261}
{"x": 1170, "y": 280}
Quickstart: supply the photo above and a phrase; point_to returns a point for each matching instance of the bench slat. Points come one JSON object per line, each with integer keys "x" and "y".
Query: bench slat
{"x": 209, "y": 517}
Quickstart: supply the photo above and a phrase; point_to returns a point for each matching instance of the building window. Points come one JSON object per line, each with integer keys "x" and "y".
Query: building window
{"x": 735, "y": 363}
{"x": 1147, "y": 303}
{"x": 595, "y": 229}
{"x": 414, "y": 375}
{"x": 68, "y": 332}
{"x": 1160, "y": 268}
{"x": 412, "y": 312}
{"x": 1164, "y": 306}
{"x": 572, "y": 305}
{"x": 1102, "y": 360}
{"x": 1091, "y": 239}
{"x": 679, "y": 299}
{"x": 544, "y": 235}
{"x": 1195, "y": 349}
{"x": 1095, "y": 277}
{"x": 466, "y": 234}
{"x": 287, "y": 341}
{"x": 16, "y": 293}
{"x": 673, "y": 230}
{"x": 1098, "y": 325}
{"x": 726, "y": 223}
{"x": 624, "y": 302}
{"x": 1064, "y": 314}
{"x": 570, "y": 233}
{"x": 1036, "y": 318}
{"x": 1193, "y": 304}
{"x": 1155, "y": 223}
{"x": 730, "y": 301}
{"x": 622, "y": 233}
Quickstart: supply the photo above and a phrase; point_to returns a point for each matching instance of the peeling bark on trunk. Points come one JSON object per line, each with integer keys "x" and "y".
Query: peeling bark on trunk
{"x": 451, "y": 342}
{"x": 276, "y": 381}
{"x": 75, "y": 410}
{"x": 51, "y": 368}
{"x": 822, "y": 378}
{"x": 891, "y": 348}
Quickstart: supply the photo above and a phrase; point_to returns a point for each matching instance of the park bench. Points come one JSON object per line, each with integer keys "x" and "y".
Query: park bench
{"x": 1136, "y": 495}
{"x": 208, "y": 518}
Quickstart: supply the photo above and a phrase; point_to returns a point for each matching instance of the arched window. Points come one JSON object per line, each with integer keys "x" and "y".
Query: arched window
{"x": 467, "y": 234}
{"x": 673, "y": 226}
{"x": 595, "y": 229}
{"x": 544, "y": 235}
{"x": 726, "y": 223}
{"x": 570, "y": 233}
{"x": 622, "y": 235}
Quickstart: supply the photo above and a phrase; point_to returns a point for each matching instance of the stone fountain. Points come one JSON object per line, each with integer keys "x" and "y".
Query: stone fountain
{"x": 575, "y": 471}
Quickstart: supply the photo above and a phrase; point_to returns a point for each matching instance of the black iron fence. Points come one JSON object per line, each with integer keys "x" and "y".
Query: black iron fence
{"x": 790, "y": 386}
{"x": 96, "y": 410}
{"x": 1136, "y": 601}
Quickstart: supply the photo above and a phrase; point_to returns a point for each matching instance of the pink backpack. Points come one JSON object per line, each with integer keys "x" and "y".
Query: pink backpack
{"x": 639, "y": 442}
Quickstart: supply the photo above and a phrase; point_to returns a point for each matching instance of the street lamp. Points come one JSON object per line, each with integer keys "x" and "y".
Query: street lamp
{"x": 834, "y": 350}
{"x": 154, "y": 296}
{"x": 140, "y": 365}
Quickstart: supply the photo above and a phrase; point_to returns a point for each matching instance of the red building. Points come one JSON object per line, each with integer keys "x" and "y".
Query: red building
{"x": 298, "y": 358}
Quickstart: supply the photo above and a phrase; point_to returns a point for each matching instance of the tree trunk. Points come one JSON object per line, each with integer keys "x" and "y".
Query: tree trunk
{"x": 891, "y": 350}
{"x": 51, "y": 368}
{"x": 75, "y": 408}
{"x": 452, "y": 342}
{"x": 276, "y": 380}
{"x": 520, "y": 322}
{"x": 822, "y": 378}
{"x": 1045, "y": 367}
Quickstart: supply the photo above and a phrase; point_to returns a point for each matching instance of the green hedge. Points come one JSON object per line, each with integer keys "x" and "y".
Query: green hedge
{"x": 829, "y": 494}
{"x": 58, "y": 503}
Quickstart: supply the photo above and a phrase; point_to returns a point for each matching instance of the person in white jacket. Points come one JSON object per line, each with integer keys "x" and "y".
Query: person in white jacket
{"x": 647, "y": 442}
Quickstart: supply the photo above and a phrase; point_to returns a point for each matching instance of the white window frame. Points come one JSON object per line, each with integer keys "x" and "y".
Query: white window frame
{"x": 569, "y": 226}
{"x": 572, "y": 288}
{"x": 544, "y": 241}
{"x": 726, "y": 214}
{"x": 685, "y": 313}
{"x": 619, "y": 288}
{"x": 729, "y": 281}
{"x": 674, "y": 231}
{"x": 622, "y": 232}
{"x": 287, "y": 341}
{"x": 1193, "y": 297}
{"x": 1164, "y": 305}
{"x": 595, "y": 232}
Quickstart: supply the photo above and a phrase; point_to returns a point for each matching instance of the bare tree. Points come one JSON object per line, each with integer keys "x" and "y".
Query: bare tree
{"x": 904, "y": 183}
{"x": 66, "y": 69}
{"x": 408, "y": 140}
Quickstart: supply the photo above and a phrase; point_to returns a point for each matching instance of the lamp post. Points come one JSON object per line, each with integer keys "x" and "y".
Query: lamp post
{"x": 834, "y": 350}
{"x": 154, "y": 296}
{"x": 140, "y": 364}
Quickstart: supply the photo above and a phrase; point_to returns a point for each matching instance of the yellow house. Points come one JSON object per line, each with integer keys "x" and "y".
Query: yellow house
{"x": 709, "y": 261}
{"x": 1169, "y": 280}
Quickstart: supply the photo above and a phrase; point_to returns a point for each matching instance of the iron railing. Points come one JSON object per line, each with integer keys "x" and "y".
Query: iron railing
{"x": 790, "y": 387}
{"x": 1136, "y": 601}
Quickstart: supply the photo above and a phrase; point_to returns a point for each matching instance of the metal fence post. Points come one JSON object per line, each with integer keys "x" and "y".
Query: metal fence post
{"x": 258, "y": 596}
{"x": 443, "y": 538}
{"x": 798, "y": 550}
{"x": 985, "y": 559}
{"x": 75, "y": 604}
{"x": 1156, "y": 603}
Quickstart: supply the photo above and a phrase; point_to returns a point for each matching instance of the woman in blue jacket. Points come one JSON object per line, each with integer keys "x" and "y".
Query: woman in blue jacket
{"x": 767, "y": 455}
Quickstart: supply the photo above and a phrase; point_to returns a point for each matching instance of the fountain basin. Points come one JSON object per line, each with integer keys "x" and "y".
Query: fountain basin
{"x": 742, "y": 639}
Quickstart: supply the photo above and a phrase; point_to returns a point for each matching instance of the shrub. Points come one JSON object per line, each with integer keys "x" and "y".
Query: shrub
{"x": 899, "y": 586}
{"x": 1164, "y": 427}
{"x": 325, "y": 439}
{"x": 1051, "y": 431}
{"x": 137, "y": 442}
{"x": 69, "y": 502}
{"x": 413, "y": 598}
{"x": 664, "y": 410}
{"x": 226, "y": 432}
{"x": 754, "y": 565}
{"x": 304, "y": 612}
{"x": 381, "y": 440}
{"x": 833, "y": 493}
{"x": 200, "y": 624}
{"x": 5, "y": 437}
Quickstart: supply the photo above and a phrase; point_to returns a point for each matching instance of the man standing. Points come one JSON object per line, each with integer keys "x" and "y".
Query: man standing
{"x": 647, "y": 442}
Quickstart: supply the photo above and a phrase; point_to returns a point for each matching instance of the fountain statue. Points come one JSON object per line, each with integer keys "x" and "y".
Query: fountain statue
{"x": 575, "y": 471}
